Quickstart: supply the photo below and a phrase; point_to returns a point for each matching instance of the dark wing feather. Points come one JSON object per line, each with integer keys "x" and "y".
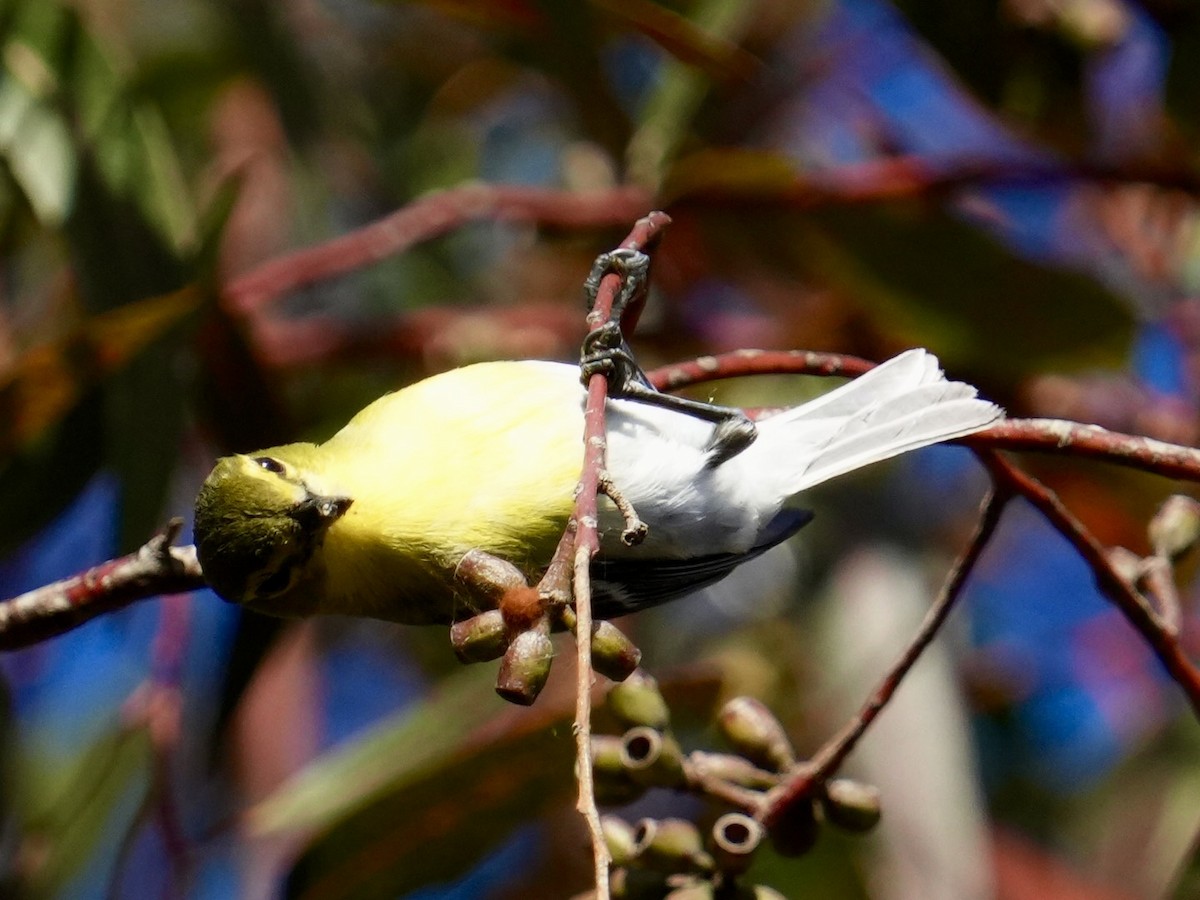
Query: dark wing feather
{"x": 626, "y": 585}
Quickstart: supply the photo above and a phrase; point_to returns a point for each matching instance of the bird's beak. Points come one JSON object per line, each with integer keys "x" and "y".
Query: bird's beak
{"x": 315, "y": 511}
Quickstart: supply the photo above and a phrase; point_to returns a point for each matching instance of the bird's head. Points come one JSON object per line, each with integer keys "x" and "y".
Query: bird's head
{"x": 259, "y": 521}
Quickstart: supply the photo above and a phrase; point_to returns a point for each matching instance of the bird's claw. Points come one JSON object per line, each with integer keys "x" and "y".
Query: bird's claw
{"x": 605, "y": 352}
{"x": 633, "y": 267}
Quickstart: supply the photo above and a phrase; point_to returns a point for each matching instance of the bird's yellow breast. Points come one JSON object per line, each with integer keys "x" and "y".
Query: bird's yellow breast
{"x": 486, "y": 457}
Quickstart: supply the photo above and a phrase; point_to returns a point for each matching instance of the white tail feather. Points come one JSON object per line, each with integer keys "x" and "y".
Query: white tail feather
{"x": 901, "y": 405}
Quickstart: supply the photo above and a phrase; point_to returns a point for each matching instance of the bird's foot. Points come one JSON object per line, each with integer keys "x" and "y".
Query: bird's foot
{"x": 606, "y": 352}
{"x": 632, "y": 266}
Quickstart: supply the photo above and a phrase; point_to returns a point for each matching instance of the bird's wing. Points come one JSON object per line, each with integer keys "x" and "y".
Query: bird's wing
{"x": 627, "y": 584}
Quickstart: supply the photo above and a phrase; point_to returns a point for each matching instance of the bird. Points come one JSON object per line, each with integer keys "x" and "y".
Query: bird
{"x": 374, "y": 521}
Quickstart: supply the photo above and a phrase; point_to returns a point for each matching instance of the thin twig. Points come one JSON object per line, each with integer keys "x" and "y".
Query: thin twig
{"x": 1090, "y": 442}
{"x": 1157, "y": 582}
{"x": 53, "y": 609}
{"x": 635, "y": 529}
{"x": 1057, "y": 436}
{"x": 1123, "y": 595}
{"x": 433, "y": 215}
{"x": 807, "y": 776}
{"x": 1043, "y": 435}
{"x": 913, "y": 177}
{"x": 587, "y": 544}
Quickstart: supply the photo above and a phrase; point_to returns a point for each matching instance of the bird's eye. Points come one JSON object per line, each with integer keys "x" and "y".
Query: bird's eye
{"x": 277, "y": 582}
{"x": 270, "y": 464}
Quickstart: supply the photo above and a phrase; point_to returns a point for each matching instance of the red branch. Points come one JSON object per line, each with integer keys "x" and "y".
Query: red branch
{"x": 155, "y": 568}
{"x": 428, "y": 217}
{"x": 1166, "y": 645}
{"x": 1043, "y": 435}
{"x": 1038, "y": 435}
{"x": 807, "y": 777}
{"x": 585, "y": 528}
{"x": 913, "y": 177}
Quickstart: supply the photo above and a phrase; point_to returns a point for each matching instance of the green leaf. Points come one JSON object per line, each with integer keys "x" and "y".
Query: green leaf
{"x": 944, "y": 283}
{"x": 1031, "y": 74}
{"x": 424, "y": 795}
{"x": 35, "y": 139}
{"x": 668, "y": 112}
{"x": 70, "y": 812}
{"x": 57, "y": 396}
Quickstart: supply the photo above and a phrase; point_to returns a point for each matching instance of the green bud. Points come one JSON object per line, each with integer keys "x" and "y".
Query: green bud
{"x": 1175, "y": 528}
{"x": 755, "y": 733}
{"x": 795, "y": 832}
{"x": 735, "y": 838}
{"x": 613, "y": 654}
{"x": 606, "y": 755}
{"x": 652, "y": 758}
{"x": 525, "y": 668}
{"x": 487, "y": 577}
{"x": 621, "y": 839}
{"x": 613, "y": 785}
{"x": 480, "y": 638}
{"x": 670, "y": 845}
{"x": 637, "y": 701}
{"x": 851, "y": 805}
{"x": 734, "y": 770}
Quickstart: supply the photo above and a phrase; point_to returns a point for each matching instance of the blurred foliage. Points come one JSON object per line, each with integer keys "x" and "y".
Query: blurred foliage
{"x": 847, "y": 175}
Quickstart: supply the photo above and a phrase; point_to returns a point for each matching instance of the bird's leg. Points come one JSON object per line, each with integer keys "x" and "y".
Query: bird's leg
{"x": 606, "y": 352}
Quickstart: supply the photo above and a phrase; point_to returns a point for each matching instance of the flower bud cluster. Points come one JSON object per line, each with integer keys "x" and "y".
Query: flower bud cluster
{"x": 517, "y": 630}
{"x": 660, "y": 858}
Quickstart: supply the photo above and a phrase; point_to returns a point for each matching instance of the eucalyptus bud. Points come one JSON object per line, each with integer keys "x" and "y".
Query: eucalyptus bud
{"x": 652, "y": 758}
{"x": 487, "y": 576}
{"x": 735, "y": 838}
{"x": 637, "y": 701}
{"x": 621, "y": 839}
{"x": 851, "y": 805}
{"x": 614, "y": 786}
{"x": 754, "y": 732}
{"x": 1175, "y": 528}
{"x": 670, "y": 845}
{"x": 480, "y": 638}
{"x": 525, "y": 668}
{"x": 734, "y": 770}
{"x": 613, "y": 654}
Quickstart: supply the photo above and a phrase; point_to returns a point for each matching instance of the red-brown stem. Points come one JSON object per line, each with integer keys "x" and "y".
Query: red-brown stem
{"x": 587, "y": 542}
{"x": 1123, "y": 595}
{"x": 53, "y": 609}
{"x": 428, "y": 217}
{"x": 1090, "y": 442}
{"x": 912, "y": 177}
{"x": 739, "y": 363}
{"x": 1038, "y": 435}
{"x": 1044, "y": 435}
{"x": 808, "y": 776}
